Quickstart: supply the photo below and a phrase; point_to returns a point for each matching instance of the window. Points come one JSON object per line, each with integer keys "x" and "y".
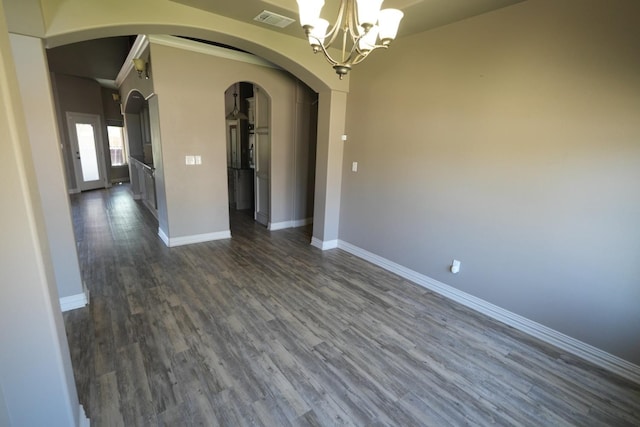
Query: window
{"x": 117, "y": 147}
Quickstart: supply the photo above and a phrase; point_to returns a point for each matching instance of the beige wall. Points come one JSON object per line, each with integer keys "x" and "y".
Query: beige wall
{"x": 35, "y": 89}
{"x": 36, "y": 377}
{"x": 510, "y": 141}
{"x": 193, "y": 123}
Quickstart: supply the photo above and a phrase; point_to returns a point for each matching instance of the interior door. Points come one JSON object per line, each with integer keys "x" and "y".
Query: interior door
{"x": 262, "y": 156}
{"x": 88, "y": 150}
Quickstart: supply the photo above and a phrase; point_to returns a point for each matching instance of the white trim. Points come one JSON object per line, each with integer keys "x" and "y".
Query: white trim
{"x": 163, "y": 236}
{"x": 273, "y": 226}
{"x": 302, "y": 222}
{"x": 73, "y": 190}
{"x": 74, "y": 301}
{"x": 571, "y": 345}
{"x": 324, "y": 245}
{"x": 83, "y": 421}
{"x": 207, "y": 49}
{"x": 195, "y": 238}
{"x": 141, "y": 43}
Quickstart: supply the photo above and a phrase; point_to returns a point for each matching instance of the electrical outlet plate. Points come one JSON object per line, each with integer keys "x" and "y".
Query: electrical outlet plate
{"x": 455, "y": 266}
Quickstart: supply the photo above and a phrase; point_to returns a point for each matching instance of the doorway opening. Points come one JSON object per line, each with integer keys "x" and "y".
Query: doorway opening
{"x": 248, "y": 138}
{"x": 89, "y": 166}
{"x": 140, "y": 149}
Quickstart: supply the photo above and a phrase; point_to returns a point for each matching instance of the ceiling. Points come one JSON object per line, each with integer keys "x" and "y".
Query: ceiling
{"x": 99, "y": 59}
{"x": 102, "y": 59}
{"x": 419, "y": 15}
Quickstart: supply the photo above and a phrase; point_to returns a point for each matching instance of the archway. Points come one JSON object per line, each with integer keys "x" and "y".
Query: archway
{"x": 74, "y": 20}
{"x": 140, "y": 147}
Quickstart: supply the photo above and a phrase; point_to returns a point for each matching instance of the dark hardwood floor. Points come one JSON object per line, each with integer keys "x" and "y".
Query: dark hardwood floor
{"x": 264, "y": 329}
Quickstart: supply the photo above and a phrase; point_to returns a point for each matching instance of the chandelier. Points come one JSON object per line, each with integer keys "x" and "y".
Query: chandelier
{"x": 363, "y": 25}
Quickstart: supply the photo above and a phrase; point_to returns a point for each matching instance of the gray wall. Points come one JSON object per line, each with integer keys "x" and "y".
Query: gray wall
{"x": 35, "y": 89}
{"x": 193, "y": 123}
{"x": 509, "y": 141}
{"x": 35, "y": 367}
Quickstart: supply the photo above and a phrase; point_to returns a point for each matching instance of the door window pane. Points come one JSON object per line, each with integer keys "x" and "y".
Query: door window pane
{"x": 87, "y": 151}
{"x": 117, "y": 146}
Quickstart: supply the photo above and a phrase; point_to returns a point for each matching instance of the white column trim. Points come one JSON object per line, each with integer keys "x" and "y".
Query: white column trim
{"x": 72, "y": 302}
{"x": 324, "y": 245}
{"x": 195, "y": 238}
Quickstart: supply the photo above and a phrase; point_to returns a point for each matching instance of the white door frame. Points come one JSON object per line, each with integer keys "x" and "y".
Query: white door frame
{"x": 94, "y": 120}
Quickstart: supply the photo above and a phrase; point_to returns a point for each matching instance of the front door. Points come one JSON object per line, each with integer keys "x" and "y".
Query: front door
{"x": 88, "y": 152}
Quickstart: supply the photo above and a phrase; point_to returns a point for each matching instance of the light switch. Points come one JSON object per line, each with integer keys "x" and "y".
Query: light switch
{"x": 354, "y": 167}
{"x": 343, "y": 138}
{"x": 198, "y": 160}
{"x": 189, "y": 160}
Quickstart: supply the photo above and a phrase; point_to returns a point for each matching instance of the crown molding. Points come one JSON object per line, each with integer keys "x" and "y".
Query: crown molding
{"x": 138, "y": 48}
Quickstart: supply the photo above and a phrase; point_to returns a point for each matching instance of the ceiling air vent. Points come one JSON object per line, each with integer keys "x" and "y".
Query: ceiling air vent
{"x": 274, "y": 19}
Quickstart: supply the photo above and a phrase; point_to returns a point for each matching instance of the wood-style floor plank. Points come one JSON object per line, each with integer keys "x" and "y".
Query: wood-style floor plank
{"x": 265, "y": 330}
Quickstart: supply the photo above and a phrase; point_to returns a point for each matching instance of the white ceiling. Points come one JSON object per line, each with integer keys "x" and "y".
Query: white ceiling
{"x": 419, "y": 15}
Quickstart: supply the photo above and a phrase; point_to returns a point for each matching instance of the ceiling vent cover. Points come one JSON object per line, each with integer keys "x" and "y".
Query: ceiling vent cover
{"x": 274, "y": 19}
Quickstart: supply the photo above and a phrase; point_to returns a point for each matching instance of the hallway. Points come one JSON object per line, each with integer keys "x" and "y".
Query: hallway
{"x": 264, "y": 329}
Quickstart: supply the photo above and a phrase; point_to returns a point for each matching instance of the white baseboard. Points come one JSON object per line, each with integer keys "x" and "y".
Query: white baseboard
{"x": 196, "y": 238}
{"x": 73, "y": 190}
{"x": 324, "y": 245}
{"x": 74, "y": 301}
{"x": 301, "y": 222}
{"x": 83, "y": 421}
{"x": 273, "y": 226}
{"x": 163, "y": 236}
{"x": 571, "y": 345}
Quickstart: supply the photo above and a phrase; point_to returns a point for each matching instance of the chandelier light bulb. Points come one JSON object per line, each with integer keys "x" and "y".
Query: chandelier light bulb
{"x": 368, "y": 12}
{"x": 389, "y": 21}
{"x": 318, "y": 33}
{"x": 309, "y": 11}
{"x": 368, "y": 41}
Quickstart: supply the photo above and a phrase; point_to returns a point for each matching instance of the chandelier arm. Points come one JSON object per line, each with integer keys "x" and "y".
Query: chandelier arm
{"x": 363, "y": 55}
{"x": 355, "y": 56}
{"x": 353, "y": 24}
{"x": 349, "y": 60}
{"x": 366, "y": 53}
{"x": 333, "y": 33}
{"x": 324, "y": 50}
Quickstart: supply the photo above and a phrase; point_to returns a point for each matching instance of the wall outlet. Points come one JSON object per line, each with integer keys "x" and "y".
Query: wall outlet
{"x": 354, "y": 167}
{"x": 189, "y": 160}
{"x": 198, "y": 160}
{"x": 455, "y": 266}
